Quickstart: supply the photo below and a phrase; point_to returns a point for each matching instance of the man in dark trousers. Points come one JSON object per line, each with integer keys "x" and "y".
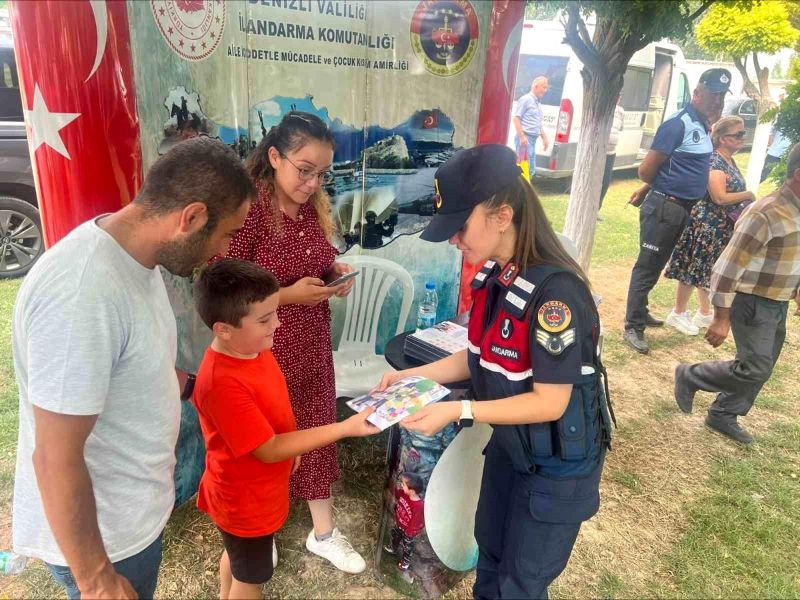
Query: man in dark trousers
{"x": 676, "y": 173}
{"x": 752, "y": 283}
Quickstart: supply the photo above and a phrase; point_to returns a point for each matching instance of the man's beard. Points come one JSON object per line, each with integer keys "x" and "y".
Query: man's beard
{"x": 182, "y": 258}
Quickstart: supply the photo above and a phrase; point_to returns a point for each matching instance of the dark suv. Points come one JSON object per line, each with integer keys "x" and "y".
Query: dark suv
{"x": 21, "y": 240}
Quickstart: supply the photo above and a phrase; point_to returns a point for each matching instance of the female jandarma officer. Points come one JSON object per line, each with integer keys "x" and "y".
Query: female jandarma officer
{"x": 535, "y": 373}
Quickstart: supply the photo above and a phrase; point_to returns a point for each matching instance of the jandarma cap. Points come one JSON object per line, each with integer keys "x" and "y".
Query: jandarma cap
{"x": 716, "y": 80}
{"x": 468, "y": 178}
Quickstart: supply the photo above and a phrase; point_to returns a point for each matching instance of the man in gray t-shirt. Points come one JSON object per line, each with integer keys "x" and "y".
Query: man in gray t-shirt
{"x": 94, "y": 343}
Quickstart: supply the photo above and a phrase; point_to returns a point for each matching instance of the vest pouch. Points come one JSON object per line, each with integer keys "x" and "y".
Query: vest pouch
{"x": 541, "y": 439}
{"x": 605, "y": 417}
{"x": 572, "y": 426}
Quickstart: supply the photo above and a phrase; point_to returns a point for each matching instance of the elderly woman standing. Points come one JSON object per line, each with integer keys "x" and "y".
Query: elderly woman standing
{"x": 710, "y": 227}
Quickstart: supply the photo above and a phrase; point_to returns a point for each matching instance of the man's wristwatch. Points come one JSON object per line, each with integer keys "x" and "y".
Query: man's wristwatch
{"x": 188, "y": 388}
{"x": 466, "y": 419}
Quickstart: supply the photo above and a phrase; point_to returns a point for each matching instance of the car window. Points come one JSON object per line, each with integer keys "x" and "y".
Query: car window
{"x": 532, "y": 66}
{"x": 683, "y": 91}
{"x": 10, "y": 100}
{"x": 731, "y": 104}
{"x": 636, "y": 89}
{"x": 748, "y": 108}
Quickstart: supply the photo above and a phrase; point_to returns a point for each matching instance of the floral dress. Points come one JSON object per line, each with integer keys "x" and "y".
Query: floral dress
{"x": 302, "y": 343}
{"x": 709, "y": 230}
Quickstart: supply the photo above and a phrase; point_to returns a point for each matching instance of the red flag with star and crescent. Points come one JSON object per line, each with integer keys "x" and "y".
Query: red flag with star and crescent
{"x": 431, "y": 120}
{"x": 76, "y": 77}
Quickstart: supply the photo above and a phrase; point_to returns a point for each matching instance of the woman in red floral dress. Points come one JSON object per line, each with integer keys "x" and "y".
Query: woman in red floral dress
{"x": 288, "y": 232}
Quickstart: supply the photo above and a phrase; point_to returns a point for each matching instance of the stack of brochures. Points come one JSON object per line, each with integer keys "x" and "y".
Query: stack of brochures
{"x": 403, "y": 398}
{"x": 434, "y": 343}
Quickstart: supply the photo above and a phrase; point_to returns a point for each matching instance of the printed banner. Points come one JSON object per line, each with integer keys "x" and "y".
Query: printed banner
{"x": 396, "y": 83}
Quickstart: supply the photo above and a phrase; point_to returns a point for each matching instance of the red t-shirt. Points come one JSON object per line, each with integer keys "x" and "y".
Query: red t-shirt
{"x": 242, "y": 403}
{"x": 409, "y": 513}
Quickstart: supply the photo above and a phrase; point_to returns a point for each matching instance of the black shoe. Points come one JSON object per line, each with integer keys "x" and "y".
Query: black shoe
{"x": 651, "y": 321}
{"x": 635, "y": 339}
{"x": 684, "y": 391}
{"x": 728, "y": 427}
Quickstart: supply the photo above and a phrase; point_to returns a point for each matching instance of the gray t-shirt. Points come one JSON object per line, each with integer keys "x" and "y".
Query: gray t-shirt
{"x": 94, "y": 334}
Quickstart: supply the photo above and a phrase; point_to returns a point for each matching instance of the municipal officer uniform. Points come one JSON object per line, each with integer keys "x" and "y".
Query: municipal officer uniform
{"x": 529, "y": 325}
{"x": 681, "y": 181}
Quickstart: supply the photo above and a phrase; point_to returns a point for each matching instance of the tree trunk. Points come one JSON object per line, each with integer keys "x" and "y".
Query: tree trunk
{"x": 599, "y": 99}
{"x": 758, "y": 152}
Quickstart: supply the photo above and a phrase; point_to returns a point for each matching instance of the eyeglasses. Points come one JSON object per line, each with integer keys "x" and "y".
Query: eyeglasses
{"x": 325, "y": 177}
{"x": 739, "y": 135}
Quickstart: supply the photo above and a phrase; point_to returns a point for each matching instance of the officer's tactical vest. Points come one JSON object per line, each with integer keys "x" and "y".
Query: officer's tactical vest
{"x": 501, "y": 365}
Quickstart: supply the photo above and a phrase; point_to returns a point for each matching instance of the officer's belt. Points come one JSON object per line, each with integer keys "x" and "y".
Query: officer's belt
{"x": 675, "y": 200}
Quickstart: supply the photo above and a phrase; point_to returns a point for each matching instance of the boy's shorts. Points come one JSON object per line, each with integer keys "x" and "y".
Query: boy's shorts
{"x": 250, "y": 558}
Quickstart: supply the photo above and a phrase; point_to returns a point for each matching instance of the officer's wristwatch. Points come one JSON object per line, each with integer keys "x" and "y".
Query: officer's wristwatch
{"x": 466, "y": 419}
{"x": 188, "y": 388}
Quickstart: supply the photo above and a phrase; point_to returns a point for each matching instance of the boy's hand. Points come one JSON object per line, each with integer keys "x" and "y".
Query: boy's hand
{"x": 358, "y": 426}
{"x": 388, "y": 379}
{"x": 296, "y": 464}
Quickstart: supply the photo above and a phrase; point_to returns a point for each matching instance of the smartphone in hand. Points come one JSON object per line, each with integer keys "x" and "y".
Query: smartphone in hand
{"x": 342, "y": 279}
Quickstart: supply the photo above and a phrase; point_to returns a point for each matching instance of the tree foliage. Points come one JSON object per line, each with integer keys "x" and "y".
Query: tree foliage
{"x": 787, "y": 116}
{"x": 541, "y": 10}
{"x": 742, "y": 32}
{"x": 730, "y": 30}
{"x": 620, "y": 30}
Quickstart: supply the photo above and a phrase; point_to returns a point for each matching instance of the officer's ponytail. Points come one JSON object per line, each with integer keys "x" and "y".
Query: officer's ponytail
{"x": 537, "y": 243}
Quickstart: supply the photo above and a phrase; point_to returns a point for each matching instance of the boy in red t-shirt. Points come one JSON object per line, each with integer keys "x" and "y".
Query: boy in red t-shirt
{"x": 247, "y": 422}
{"x": 409, "y": 511}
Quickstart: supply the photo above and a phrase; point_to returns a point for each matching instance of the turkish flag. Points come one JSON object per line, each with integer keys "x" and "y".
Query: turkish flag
{"x": 431, "y": 120}
{"x": 76, "y": 77}
{"x": 445, "y": 38}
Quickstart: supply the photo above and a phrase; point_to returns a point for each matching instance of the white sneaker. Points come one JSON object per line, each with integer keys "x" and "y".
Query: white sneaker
{"x": 702, "y": 321}
{"x": 682, "y": 323}
{"x": 337, "y": 550}
{"x": 274, "y": 554}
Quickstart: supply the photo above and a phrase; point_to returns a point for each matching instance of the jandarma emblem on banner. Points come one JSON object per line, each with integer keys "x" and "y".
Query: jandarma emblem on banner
{"x": 444, "y": 35}
{"x": 192, "y": 28}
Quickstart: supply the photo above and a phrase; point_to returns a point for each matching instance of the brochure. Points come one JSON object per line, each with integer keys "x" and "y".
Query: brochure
{"x": 441, "y": 340}
{"x": 399, "y": 400}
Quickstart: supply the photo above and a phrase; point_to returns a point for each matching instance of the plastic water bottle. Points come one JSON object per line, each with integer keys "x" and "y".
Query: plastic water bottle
{"x": 426, "y": 317}
{"x": 11, "y": 563}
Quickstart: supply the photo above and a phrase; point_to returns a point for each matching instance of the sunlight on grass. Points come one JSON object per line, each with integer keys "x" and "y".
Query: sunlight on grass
{"x": 742, "y": 538}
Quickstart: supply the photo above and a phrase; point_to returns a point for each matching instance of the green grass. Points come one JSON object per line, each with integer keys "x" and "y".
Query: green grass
{"x": 742, "y": 539}
{"x": 628, "y": 480}
{"x": 8, "y": 388}
{"x": 738, "y": 529}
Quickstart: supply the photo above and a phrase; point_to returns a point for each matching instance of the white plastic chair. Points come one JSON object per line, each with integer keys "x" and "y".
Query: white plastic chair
{"x": 357, "y": 366}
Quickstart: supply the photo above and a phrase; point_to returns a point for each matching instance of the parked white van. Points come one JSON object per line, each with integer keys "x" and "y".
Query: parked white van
{"x": 656, "y": 86}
